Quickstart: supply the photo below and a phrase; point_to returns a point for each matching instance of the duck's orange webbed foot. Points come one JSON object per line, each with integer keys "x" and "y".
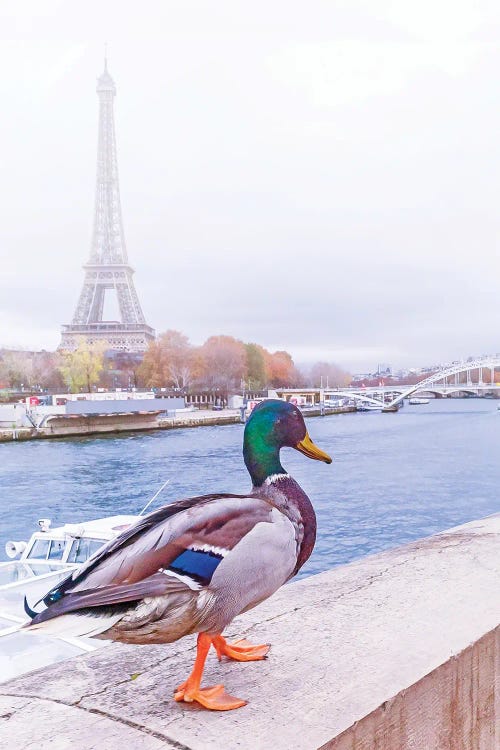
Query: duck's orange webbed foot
{"x": 241, "y": 650}
{"x": 214, "y": 698}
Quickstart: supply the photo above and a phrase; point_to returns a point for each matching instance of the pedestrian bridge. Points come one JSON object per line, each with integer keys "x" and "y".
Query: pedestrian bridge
{"x": 479, "y": 380}
{"x": 447, "y": 381}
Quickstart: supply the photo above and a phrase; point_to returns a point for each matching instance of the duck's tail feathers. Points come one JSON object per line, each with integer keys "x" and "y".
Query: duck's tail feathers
{"x": 74, "y": 625}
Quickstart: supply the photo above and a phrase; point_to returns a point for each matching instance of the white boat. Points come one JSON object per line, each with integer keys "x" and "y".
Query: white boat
{"x": 368, "y": 407}
{"x": 414, "y": 400}
{"x": 338, "y": 403}
{"x": 42, "y": 562}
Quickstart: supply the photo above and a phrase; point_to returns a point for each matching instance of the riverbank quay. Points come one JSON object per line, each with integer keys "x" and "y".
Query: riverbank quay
{"x": 79, "y": 425}
{"x": 397, "y": 651}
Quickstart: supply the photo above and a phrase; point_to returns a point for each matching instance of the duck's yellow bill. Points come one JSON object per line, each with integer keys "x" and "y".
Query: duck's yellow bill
{"x": 307, "y": 447}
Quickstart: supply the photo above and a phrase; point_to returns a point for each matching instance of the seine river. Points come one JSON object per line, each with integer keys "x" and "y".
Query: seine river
{"x": 394, "y": 477}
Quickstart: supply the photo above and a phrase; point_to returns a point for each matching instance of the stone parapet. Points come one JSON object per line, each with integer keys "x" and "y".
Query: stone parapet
{"x": 398, "y": 651}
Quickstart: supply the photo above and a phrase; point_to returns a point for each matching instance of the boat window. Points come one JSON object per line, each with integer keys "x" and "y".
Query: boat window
{"x": 47, "y": 549}
{"x": 82, "y": 549}
{"x": 40, "y": 549}
{"x": 56, "y": 549}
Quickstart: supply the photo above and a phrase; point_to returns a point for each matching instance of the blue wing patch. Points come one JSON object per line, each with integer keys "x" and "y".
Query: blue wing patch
{"x": 198, "y": 564}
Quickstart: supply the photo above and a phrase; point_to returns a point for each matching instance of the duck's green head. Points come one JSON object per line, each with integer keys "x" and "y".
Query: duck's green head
{"x": 274, "y": 424}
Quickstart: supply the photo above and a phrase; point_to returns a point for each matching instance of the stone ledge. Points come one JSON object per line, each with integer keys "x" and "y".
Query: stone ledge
{"x": 399, "y": 651}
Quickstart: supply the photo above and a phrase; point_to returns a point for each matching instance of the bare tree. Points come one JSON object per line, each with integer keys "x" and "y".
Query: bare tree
{"x": 16, "y": 368}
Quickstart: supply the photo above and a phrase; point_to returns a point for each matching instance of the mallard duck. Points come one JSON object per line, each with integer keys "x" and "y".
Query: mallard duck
{"x": 193, "y": 565}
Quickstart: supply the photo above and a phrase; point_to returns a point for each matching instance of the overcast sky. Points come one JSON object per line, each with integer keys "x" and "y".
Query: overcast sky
{"x": 318, "y": 176}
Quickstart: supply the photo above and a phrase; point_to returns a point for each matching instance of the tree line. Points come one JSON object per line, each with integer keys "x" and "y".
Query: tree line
{"x": 222, "y": 363}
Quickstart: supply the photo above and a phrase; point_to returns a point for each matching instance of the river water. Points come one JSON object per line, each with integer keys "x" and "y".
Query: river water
{"x": 394, "y": 477}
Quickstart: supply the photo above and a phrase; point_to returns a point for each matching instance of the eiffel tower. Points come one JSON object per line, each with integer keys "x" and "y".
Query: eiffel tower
{"x": 107, "y": 270}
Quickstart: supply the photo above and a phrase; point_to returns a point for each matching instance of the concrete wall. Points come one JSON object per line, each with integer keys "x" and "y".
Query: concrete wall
{"x": 454, "y": 707}
{"x": 63, "y": 425}
{"x": 399, "y": 651}
{"x": 124, "y": 405}
{"x": 60, "y": 426}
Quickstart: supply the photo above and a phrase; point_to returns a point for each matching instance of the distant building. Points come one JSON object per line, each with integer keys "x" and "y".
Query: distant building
{"x": 384, "y": 369}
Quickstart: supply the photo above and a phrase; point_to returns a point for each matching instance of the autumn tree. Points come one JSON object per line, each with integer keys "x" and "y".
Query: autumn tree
{"x": 150, "y": 371}
{"x": 224, "y": 362}
{"x": 281, "y": 370}
{"x": 169, "y": 361}
{"x": 82, "y": 367}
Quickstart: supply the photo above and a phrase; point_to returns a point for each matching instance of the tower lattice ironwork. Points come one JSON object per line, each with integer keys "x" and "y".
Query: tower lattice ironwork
{"x": 108, "y": 267}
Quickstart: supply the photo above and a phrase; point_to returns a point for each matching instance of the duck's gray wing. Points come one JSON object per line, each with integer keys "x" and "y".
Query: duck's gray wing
{"x": 184, "y": 548}
{"x": 150, "y": 531}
